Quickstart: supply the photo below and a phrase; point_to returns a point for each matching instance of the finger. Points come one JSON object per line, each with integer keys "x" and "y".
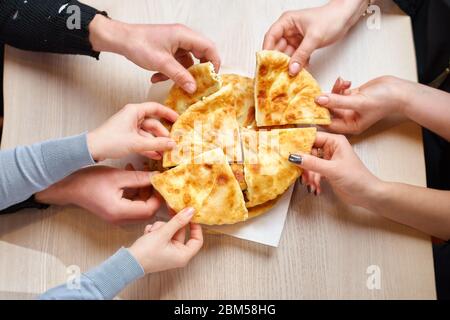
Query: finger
{"x": 185, "y": 58}
{"x": 195, "y": 241}
{"x": 153, "y": 109}
{"x": 337, "y": 86}
{"x": 159, "y": 77}
{"x": 135, "y": 179}
{"x": 158, "y": 144}
{"x": 201, "y": 47}
{"x": 317, "y": 178}
{"x": 339, "y": 126}
{"x": 130, "y": 211}
{"x": 157, "y": 225}
{"x": 177, "y": 222}
{"x": 311, "y": 163}
{"x": 180, "y": 235}
{"x": 179, "y": 74}
{"x": 337, "y": 101}
{"x": 281, "y": 45}
{"x": 154, "y": 155}
{"x": 289, "y": 50}
{"x": 274, "y": 35}
{"x": 301, "y": 56}
{"x": 147, "y": 228}
{"x": 155, "y": 127}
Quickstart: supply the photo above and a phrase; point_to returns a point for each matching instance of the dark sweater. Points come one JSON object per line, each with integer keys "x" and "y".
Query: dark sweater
{"x": 47, "y": 25}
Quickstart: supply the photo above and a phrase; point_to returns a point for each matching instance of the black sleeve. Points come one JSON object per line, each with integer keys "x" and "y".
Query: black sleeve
{"x": 58, "y": 26}
{"x": 410, "y": 7}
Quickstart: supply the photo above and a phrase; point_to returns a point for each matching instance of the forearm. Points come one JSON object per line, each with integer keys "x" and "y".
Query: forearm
{"x": 58, "y": 26}
{"x": 427, "y": 106}
{"x": 27, "y": 170}
{"x": 427, "y": 210}
{"x": 103, "y": 282}
{"x": 352, "y": 10}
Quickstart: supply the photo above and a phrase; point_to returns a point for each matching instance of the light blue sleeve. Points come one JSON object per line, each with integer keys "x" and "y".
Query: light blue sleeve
{"x": 26, "y": 170}
{"x": 103, "y": 282}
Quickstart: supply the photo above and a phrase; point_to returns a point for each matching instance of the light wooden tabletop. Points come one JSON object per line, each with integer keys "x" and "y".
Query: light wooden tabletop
{"x": 326, "y": 247}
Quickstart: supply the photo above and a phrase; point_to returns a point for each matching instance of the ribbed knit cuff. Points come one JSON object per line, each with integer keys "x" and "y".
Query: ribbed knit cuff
{"x": 65, "y": 156}
{"x": 113, "y": 275}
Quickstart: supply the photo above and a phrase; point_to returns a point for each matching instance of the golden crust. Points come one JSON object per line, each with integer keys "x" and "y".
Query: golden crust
{"x": 206, "y": 125}
{"x": 243, "y": 92}
{"x": 262, "y": 208}
{"x": 281, "y": 99}
{"x": 207, "y": 81}
{"x": 268, "y": 173}
{"x": 208, "y": 185}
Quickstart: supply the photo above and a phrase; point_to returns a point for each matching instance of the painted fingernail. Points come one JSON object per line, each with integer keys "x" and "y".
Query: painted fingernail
{"x": 171, "y": 144}
{"x": 294, "y": 68}
{"x": 322, "y": 100}
{"x": 295, "y": 158}
{"x": 315, "y": 193}
{"x": 308, "y": 187}
{"x": 188, "y": 212}
{"x": 190, "y": 87}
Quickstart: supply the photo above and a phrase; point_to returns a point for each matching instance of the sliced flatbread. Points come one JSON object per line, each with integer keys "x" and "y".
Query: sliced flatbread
{"x": 262, "y": 208}
{"x": 268, "y": 173}
{"x": 206, "y": 125}
{"x": 238, "y": 171}
{"x": 208, "y": 185}
{"x": 281, "y": 99}
{"x": 243, "y": 92}
{"x": 207, "y": 81}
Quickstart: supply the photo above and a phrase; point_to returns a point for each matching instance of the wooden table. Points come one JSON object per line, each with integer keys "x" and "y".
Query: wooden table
{"x": 326, "y": 247}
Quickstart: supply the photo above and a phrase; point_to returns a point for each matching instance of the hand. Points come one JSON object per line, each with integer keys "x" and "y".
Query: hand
{"x": 163, "y": 245}
{"x": 115, "y": 195}
{"x": 133, "y": 130}
{"x": 299, "y": 33}
{"x": 347, "y": 175}
{"x": 167, "y": 49}
{"x": 357, "y": 109}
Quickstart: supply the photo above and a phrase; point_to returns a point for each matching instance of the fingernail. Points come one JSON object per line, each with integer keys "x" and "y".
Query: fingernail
{"x": 188, "y": 212}
{"x": 294, "y": 68}
{"x": 301, "y": 180}
{"x": 309, "y": 188}
{"x": 322, "y": 100}
{"x": 315, "y": 192}
{"x": 190, "y": 87}
{"x": 295, "y": 158}
{"x": 171, "y": 144}
{"x": 347, "y": 83}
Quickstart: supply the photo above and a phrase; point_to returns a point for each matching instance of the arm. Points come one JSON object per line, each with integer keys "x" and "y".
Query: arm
{"x": 101, "y": 283}
{"x": 355, "y": 110}
{"x": 425, "y": 209}
{"x": 163, "y": 246}
{"x": 27, "y": 170}
{"x": 427, "y": 106}
{"x": 49, "y": 26}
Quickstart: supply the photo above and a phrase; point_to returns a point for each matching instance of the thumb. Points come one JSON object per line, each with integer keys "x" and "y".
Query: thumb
{"x": 300, "y": 57}
{"x": 179, "y": 221}
{"x": 337, "y": 101}
{"x": 179, "y": 74}
{"x": 155, "y": 144}
{"x": 311, "y": 163}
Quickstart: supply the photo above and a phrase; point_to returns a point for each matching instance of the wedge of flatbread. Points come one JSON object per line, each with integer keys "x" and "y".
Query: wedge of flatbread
{"x": 243, "y": 92}
{"x": 262, "y": 208}
{"x": 207, "y": 81}
{"x": 206, "y": 125}
{"x": 281, "y": 99}
{"x": 268, "y": 173}
{"x": 208, "y": 185}
{"x": 238, "y": 171}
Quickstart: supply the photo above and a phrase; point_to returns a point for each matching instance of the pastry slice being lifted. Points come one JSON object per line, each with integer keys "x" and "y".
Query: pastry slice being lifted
{"x": 281, "y": 99}
{"x": 207, "y": 82}
{"x": 206, "y": 125}
{"x": 268, "y": 173}
{"x": 206, "y": 184}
